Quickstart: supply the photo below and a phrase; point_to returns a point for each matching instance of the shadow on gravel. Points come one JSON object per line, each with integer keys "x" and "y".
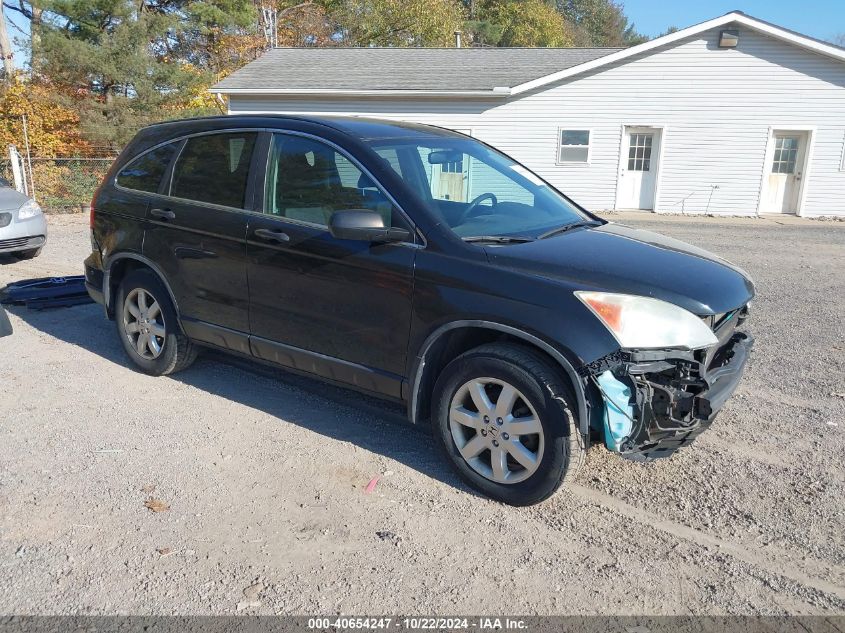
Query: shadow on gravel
{"x": 341, "y": 414}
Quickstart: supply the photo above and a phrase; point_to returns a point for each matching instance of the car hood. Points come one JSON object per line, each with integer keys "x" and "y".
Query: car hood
{"x": 617, "y": 258}
{"x": 10, "y": 199}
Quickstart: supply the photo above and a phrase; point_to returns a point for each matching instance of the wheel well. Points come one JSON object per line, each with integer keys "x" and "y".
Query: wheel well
{"x": 118, "y": 272}
{"x": 454, "y": 343}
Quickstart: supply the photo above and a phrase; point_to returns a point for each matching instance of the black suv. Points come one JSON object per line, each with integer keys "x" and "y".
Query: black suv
{"x": 425, "y": 267}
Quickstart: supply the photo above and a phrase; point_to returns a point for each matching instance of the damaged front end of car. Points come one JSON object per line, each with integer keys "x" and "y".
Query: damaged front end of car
{"x": 651, "y": 402}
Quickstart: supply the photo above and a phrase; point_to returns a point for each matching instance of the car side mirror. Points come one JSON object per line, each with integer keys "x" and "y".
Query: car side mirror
{"x": 364, "y": 225}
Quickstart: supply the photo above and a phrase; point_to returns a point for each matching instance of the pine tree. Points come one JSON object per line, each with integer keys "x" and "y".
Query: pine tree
{"x": 131, "y": 62}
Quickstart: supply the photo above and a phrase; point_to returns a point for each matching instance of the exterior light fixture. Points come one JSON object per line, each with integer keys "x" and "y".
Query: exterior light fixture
{"x": 728, "y": 39}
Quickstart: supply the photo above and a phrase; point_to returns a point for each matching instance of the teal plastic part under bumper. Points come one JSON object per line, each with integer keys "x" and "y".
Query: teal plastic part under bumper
{"x": 617, "y": 410}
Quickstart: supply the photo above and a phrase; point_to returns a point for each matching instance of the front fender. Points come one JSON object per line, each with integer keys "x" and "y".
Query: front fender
{"x": 419, "y": 367}
{"x": 447, "y": 291}
{"x": 473, "y": 294}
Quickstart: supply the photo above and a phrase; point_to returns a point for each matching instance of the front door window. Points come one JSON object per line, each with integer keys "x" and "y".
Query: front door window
{"x": 639, "y": 152}
{"x": 786, "y": 153}
{"x": 308, "y": 180}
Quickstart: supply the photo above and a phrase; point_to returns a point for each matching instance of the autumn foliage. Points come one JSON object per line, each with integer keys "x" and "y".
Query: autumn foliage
{"x": 53, "y": 129}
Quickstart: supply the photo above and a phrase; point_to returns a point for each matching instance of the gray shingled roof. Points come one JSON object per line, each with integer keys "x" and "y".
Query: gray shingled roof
{"x": 431, "y": 69}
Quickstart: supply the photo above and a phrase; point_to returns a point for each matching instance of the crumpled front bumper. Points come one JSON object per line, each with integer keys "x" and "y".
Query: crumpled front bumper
{"x": 672, "y": 415}
{"x": 671, "y": 397}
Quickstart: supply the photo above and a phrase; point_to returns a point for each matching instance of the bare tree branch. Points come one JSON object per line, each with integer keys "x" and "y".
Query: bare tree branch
{"x": 20, "y": 9}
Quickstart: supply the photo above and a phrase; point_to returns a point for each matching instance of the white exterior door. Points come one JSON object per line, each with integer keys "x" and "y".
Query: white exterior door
{"x": 784, "y": 173}
{"x": 638, "y": 168}
{"x": 449, "y": 180}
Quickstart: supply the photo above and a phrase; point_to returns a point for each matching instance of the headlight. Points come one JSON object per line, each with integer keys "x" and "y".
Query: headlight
{"x": 29, "y": 210}
{"x": 642, "y": 322}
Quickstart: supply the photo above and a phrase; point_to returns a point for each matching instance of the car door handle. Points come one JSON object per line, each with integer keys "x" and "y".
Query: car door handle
{"x": 272, "y": 236}
{"x": 163, "y": 214}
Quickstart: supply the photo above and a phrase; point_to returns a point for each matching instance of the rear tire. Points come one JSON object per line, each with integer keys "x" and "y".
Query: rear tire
{"x": 521, "y": 440}
{"x": 148, "y": 326}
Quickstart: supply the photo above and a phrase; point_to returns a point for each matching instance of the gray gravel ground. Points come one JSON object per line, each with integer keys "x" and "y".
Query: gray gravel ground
{"x": 264, "y": 476}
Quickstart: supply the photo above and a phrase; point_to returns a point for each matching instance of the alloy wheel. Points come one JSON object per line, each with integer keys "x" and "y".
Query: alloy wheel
{"x": 143, "y": 324}
{"x": 496, "y": 430}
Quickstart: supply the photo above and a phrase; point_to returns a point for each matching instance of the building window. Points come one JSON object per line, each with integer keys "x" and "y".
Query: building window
{"x": 639, "y": 152}
{"x": 453, "y": 167}
{"x": 786, "y": 153}
{"x": 574, "y": 146}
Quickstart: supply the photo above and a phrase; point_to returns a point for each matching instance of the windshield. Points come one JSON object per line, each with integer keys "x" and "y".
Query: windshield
{"x": 477, "y": 191}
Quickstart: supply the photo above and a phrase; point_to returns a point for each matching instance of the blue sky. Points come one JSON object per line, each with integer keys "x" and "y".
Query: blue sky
{"x": 822, "y": 19}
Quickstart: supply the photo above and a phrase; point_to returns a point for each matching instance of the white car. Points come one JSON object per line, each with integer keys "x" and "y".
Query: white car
{"x": 23, "y": 228}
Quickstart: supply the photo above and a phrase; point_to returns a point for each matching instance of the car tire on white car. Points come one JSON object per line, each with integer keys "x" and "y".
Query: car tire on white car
{"x": 148, "y": 326}
{"x": 507, "y": 422}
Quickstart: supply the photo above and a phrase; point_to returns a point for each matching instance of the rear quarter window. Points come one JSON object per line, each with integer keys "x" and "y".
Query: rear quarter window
{"x": 144, "y": 173}
{"x": 214, "y": 168}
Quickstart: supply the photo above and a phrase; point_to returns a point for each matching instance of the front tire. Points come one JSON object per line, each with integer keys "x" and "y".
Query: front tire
{"x": 148, "y": 326}
{"x": 506, "y": 420}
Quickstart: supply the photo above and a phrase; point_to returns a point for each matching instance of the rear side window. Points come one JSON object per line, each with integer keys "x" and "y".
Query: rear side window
{"x": 214, "y": 168}
{"x": 145, "y": 172}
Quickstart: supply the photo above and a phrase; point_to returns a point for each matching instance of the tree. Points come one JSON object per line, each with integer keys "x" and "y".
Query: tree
{"x": 306, "y": 24}
{"x": 632, "y": 37}
{"x": 6, "y": 48}
{"x": 123, "y": 64}
{"x": 528, "y": 23}
{"x": 201, "y": 24}
{"x": 483, "y": 32}
{"x": 469, "y": 7}
{"x": 397, "y": 22}
{"x": 52, "y": 129}
{"x": 32, "y": 11}
{"x": 599, "y": 23}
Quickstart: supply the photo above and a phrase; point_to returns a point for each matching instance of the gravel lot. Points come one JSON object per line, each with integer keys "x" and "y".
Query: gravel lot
{"x": 264, "y": 476}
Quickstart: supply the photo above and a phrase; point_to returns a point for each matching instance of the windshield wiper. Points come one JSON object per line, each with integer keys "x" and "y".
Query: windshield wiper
{"x": 567, "y": 227}
{"x": 499, "y": 239}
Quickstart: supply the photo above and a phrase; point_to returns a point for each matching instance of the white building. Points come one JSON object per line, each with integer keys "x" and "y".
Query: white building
{"x": 734, "y": 115}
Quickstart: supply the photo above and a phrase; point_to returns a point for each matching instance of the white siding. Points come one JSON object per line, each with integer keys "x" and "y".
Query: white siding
{"x": 717, "y": 108}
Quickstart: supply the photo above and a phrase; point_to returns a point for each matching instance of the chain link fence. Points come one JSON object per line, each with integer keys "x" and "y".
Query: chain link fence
{"x": 62, "y": 185}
